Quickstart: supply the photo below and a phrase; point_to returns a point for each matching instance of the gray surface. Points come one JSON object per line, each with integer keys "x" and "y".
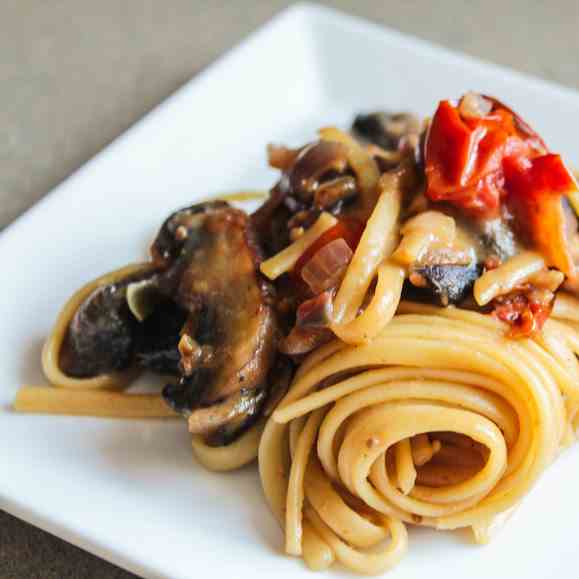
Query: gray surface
{"x": 74, "y": 75}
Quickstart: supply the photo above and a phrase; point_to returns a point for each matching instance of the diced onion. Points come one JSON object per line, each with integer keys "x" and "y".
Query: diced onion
{"x": 325, "y": 269}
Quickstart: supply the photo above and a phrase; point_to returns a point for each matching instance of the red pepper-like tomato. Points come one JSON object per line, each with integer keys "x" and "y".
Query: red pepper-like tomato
{"x": 535, "y": 188}
{"x": 464, "y": 155}
{"x": 480, "y": 154}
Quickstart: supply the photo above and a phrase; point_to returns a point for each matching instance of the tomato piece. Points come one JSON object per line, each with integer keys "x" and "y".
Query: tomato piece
{"x": 525, "y": 312}
{"x": 448, "y": 149}
{"x": 485, "y": 156}
{"x": 464, "y": 155}
{"x": 349, "y": 230}
{"x": 535, "y": 188}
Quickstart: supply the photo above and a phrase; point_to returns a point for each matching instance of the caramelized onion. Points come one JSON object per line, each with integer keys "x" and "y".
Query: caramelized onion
{"x": 316, "y": 312}
{"x": 303, "y": 340}
{"x": 326, "y": 267}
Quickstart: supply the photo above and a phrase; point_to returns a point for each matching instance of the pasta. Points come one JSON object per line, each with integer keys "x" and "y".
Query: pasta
{"x": 393, "y": 334}
{"x": 505, "y": 278}
{"x": 232, "y": 456}
{"x": 286, "y": 259}
{"x": 383, "y": 457}
{"x": 43, "y": 400}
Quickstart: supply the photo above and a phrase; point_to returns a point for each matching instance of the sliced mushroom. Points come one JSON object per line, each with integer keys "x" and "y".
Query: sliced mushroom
{"x": 102, "y": 332}
{"x": 159, "y": 335}
{"x": 271, "y": 219}
{"x": 176, "y": 232}
{"x": 228, "y": 342}
{"x": 221, "y": 423}
{"x": 389, "y": 131}
{"x": 278, "y": 381}
{"x": 447, "y": 283}
{"x": 143, "y": 297}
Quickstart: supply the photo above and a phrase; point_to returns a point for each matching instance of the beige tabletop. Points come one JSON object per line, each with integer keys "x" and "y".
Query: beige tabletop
{"x": 74, "y": 74}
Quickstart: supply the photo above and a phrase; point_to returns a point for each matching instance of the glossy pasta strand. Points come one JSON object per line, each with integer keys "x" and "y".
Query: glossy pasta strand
{"x": 440, "y": 420}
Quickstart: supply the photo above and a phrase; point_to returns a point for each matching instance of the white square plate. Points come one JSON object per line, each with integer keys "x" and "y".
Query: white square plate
{"x": 129, "y": 491}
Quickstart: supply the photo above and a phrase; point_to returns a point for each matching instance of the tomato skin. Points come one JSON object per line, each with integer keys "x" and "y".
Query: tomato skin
{"x": 535, "y": 189}
{"x": 480, "y": 163}
{"x": 349, "y": 230}
{"x": 464, "y": 156}
{"x": 447, "y": 150}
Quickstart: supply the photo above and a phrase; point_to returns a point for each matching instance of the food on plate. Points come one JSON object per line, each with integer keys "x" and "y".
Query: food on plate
{"x": 393, "y": 333}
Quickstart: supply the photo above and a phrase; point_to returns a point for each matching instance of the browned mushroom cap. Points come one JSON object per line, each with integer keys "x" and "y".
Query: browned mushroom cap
{"x": 388, "y": 131}
{"x": 122, "y": 322}
{"x": 174, "y": 235}
{"x": 228, "y": 343}
{"x": 158, "y": 338}
{"x": 444, "y": 283}
{"x": 92, "y": 340}
{"x": 123, "y": 319}
{"x": 101, "y": 333}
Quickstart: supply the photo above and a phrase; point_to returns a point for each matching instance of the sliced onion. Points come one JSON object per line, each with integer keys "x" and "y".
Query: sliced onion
{"x": 316, "y": 312}
{"x": 304, "y": 340}
{"x": 325, "y": 269}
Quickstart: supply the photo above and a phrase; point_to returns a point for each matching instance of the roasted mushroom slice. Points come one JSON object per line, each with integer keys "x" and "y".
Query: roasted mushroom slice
{"x": 93, "y": 340}
{"x": 174, "y": 236}
{"x": 447, "y": 283}
{"x": 228, "y": 342}
{"x": 100, "y": 336}
{"x": 270, "y": 220}
{"x": 388, "y": 131}
{"x": 223, "y": 422}
{"x": 278, "y": 381}
{"x": 159, "y": 336}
